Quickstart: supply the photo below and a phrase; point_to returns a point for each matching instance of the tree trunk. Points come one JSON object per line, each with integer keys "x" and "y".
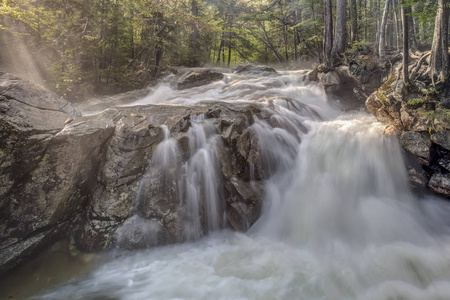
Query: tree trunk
{"x": 339, "y": 30}
{"x": 354, "y": 21}
{"x": 382, "y": 45}
{"x": 220, "y": 48}
{"x": 229, "y": 48}
{"x": 328, "y": 32}
{"x": 270, "y": 45}
{"x": 397, "y": 25}
{"x": 405, "y": 44}
{"x": 439, "y": 48}
{"x": 411, "y": 35}
{"x": 194, "y": 35}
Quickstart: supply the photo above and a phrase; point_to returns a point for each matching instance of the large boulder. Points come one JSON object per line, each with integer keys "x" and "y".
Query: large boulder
{"x": 255, "y": 69}
{"x": 197, "y": 78}
{"x": 36, "y": 196}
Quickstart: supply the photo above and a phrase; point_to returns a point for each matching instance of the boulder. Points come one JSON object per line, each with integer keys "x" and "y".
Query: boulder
{"x": 35, "y": 206}
{"x": 331, "y": 78}
{"x": 255, "y": 69}
{"x": 417, "y": 143}
{"x": 197, "y": 78}
{"x": 440, "y": 184}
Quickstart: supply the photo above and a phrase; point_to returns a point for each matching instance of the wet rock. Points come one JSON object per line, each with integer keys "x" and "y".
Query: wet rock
{"x": 141, "y": 233}
{"x": 255, "y": 69}
{"x": 329, "y": 79}
{"x": 444, "y": 162}
{"x": 440, "y": 184}
{"x": 34, "y": 198}
{"x": 417, "y": 143}
{"x": 442, "y": 138}
{"x": 198, "y": 78}
{"x": 244, "y": 203}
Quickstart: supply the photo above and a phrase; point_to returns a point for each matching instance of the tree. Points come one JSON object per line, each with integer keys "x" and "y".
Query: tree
{"x": 354, "y": 21}
{"x": 439, "y": 49}
{"x": 405, "y": 43}
{"x": 339, "y": 30}
{"x": 382, "y": 45}
{"x": 328, "y": 32}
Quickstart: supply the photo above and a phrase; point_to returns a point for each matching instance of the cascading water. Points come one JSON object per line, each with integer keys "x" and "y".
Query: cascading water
{"x": 202, "y": 179}
{"x": 338, "y": 222}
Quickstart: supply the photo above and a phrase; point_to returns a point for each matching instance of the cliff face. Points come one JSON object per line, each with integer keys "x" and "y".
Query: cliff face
{"x": 420, "y": 115}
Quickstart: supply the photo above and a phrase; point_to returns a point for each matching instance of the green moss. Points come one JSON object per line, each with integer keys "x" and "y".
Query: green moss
{"x": 387, "y": 85}
{"x": 431, "y": 115}
{"x": 416, "y": 102}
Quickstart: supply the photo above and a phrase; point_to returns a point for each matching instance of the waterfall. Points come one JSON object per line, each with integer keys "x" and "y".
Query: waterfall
{"x": 203, "y": 179}
{"x": 339, "y": 220}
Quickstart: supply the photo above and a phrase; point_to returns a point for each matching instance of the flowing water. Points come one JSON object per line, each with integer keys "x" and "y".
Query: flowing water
{"x": 339, "y": 220}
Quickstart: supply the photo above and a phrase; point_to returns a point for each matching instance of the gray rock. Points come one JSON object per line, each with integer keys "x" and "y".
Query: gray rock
{"x": 417, "y": 143}
{"x": 330, "y": 79}
{"x": 139, "y": 233}
{"x": 442, "y": 138}
{"x": 255, "y": 69}
{"x": 198, "y": 78}
{"x": 440, "y": 184}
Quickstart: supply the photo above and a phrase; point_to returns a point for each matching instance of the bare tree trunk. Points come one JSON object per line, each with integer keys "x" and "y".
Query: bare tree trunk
{"x": 328, "y": 32}
{"x": 339, "y": 30}
{"x": 415, "y": 27}
{"x": 382, "y": 45}
{"x": 285, "y": 38}
{"x": 229, "y": 48}
{"x": 439, "y": 48}
{"x": 411, "y": 35}
{"x": 354, "y": 21}
{"x": 296, "y": 20}
{"x": 194, "y": 35}
{"x": 270, "y": 45}
{"x": 397, "y": 25}
{"x": 405, "y": 44}
{"x": 220, "y": 50}
{"x": 365, "y": 20}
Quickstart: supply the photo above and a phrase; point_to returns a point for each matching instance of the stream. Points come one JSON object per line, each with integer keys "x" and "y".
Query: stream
{"x": 339, "y": 220}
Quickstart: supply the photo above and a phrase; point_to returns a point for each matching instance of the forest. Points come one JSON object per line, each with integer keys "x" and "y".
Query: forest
{"x": 81, "y": 48}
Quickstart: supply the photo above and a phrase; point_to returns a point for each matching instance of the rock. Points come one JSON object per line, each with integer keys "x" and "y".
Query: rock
{"x": 198, "y": 78}
{"x": 444, "y": 162}
{"x": 442, "y": 138}
{"x": 330, "y": 79}
{"x": 30, "y": 120}
{"x": 386, "y": 110}
{"x": 254, "y": 69}
{"x": 417, "y": 143}
{"x": 140, "y": 233}
{"x": 440, "y": 184}
{"x": 245, "y": 205}
{"x": 29, "y": 107}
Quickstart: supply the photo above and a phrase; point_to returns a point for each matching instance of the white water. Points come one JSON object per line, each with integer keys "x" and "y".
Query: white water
{"x": 339, "y": 220}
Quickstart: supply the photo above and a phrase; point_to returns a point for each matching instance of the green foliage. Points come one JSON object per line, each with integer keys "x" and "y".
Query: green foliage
{"x": 416, "y": 102}
{"x": 98, "y": 46}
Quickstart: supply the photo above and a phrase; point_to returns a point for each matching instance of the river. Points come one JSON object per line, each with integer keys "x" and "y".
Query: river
{"x": 339, "y": 220}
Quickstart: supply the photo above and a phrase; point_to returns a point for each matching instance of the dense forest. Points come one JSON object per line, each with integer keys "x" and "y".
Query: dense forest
{"x": 81, "y": 48}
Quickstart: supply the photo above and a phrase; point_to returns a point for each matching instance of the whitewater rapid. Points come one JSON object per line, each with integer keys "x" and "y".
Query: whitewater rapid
{"x": 339, "y": 220}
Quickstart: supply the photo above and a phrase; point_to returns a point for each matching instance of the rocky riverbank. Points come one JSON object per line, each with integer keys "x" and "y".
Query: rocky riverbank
{"x": 418, "y": 112}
